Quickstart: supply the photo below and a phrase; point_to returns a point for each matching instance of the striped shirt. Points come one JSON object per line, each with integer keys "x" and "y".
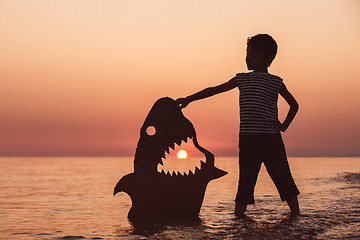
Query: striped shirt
{"x": 258, "y": 102}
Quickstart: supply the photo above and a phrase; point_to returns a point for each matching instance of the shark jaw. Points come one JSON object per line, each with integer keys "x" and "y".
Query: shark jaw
{"x": 190, "y": 166}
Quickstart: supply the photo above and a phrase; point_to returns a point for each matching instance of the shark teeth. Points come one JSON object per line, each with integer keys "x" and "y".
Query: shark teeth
{"x": 177, "y": 142}
{"x": 184, "y": 173}
{"x": 190, "y": 173}
{"x": 194, "y": 168}
{"x": 167, "y": 150}
{"x": 172, "y": 146}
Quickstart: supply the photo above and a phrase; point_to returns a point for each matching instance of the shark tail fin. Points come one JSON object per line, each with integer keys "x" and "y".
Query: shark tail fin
{"x": 124, "y": 184}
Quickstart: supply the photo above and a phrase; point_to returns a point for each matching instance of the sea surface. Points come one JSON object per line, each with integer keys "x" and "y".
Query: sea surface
{"x": 71, "y": 198}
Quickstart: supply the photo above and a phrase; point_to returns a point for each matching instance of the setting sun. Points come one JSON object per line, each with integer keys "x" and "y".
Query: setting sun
{"x": 182, "y": 154}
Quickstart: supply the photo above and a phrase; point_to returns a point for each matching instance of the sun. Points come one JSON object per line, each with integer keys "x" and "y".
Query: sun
{"x": 182, "y": 154}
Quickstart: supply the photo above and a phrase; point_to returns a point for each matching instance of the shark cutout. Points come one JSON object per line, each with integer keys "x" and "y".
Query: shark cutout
{"x": 160, "y": 194}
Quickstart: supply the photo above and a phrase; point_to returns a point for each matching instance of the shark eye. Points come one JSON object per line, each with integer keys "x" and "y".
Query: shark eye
{"x": 151, "y": 130}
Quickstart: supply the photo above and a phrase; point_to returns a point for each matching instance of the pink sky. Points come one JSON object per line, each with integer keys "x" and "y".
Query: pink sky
{"x": 79, "y": 77}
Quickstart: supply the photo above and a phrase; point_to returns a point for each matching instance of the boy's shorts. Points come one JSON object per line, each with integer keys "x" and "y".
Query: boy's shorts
{"x": 267, "y": 148}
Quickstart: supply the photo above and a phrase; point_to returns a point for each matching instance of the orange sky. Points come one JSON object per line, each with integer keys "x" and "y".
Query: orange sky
{"x": 79, "y": 77}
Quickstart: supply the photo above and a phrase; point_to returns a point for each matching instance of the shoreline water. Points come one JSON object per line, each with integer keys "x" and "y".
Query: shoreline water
{"x": 71, "y": 198}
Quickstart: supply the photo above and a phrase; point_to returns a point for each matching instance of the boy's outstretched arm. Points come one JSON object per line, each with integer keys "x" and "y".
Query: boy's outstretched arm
{"x": 207, "y": 92}
{"x": 294, "y": 106}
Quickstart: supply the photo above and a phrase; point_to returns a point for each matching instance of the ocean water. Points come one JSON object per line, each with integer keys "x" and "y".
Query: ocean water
{"x": 71, "y": 198}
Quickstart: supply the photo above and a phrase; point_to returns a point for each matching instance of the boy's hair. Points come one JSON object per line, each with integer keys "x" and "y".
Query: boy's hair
{"x": 264, "y": 43}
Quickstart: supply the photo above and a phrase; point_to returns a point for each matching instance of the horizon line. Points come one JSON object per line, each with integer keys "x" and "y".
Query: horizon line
{"x": 128, "y": 156}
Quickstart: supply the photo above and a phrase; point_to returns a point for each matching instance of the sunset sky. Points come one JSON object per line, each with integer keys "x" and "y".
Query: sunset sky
{"x": 79, "y": 77}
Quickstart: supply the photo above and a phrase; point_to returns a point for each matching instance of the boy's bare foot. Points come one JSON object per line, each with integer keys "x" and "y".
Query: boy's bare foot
{"x": 240, "y": 215}
{"x": 294, "y": 206}
{"x": 293, "y": 215}
{"x": 245, "y": 217}
{"x": 240, "y": 210}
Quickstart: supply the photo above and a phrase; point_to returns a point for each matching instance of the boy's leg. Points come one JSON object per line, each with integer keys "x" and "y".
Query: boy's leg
{"x": 278, "y": 168}
{"x": 249, "y": 167}
{"x": 247, "y": 182}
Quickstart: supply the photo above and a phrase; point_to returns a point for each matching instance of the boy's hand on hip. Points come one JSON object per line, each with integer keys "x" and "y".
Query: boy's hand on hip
{"x": 281, "y": 126}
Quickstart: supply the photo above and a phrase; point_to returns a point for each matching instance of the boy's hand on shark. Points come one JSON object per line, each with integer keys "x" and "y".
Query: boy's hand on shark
{"x": 182, "y": 102}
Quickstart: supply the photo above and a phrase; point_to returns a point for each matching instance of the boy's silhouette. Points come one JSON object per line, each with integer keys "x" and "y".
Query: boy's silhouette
{"x": 259, "y": 139}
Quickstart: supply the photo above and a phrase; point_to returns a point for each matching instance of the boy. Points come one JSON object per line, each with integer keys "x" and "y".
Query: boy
{"x": 259, "y": 139}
